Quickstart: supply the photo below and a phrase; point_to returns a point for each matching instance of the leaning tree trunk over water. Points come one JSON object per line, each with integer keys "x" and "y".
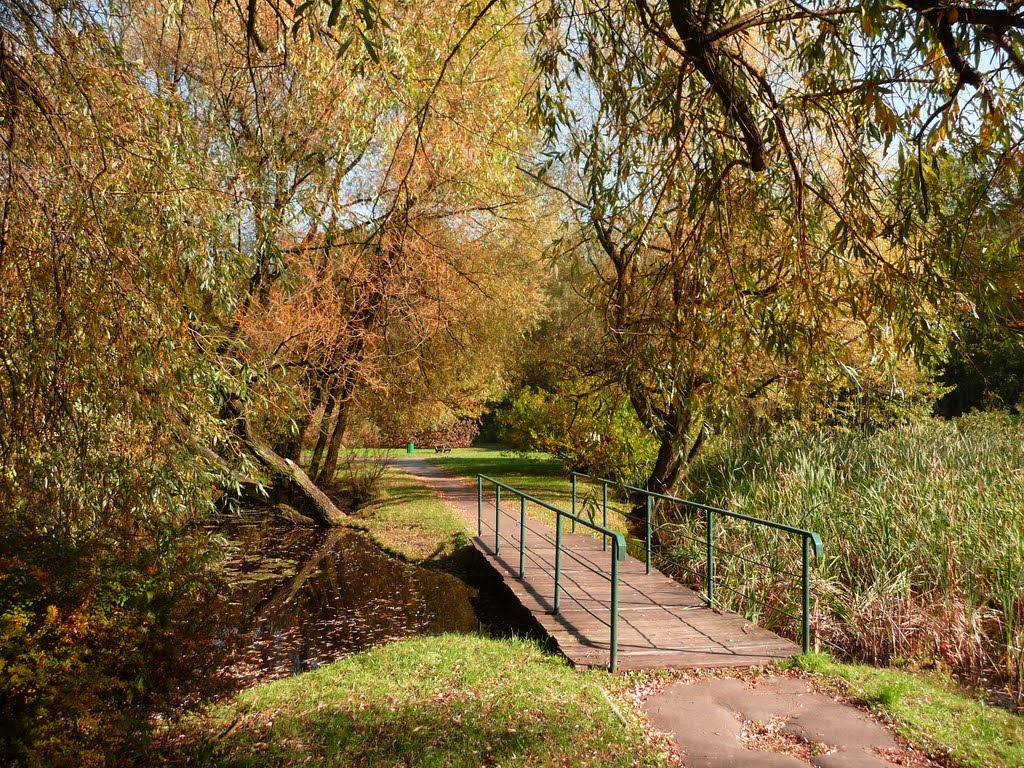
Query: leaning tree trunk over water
{"x": 288, "y": 478}
{"x": 322, "y": 509}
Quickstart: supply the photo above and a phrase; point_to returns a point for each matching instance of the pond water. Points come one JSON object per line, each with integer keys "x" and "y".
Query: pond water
{"x": 300, "y": 598}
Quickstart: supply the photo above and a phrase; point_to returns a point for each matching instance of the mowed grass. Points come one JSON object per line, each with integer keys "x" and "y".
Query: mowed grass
{"x": 536, "y": 474}
{"x": 409, "y": 520}
{"x": 439, "y": 701}
{"x": 930, "y": 711}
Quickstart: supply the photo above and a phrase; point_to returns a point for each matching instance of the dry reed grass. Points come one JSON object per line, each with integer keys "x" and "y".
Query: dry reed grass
{"x": 923, "y": 527}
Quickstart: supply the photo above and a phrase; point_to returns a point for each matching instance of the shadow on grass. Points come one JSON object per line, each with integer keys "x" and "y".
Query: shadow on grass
{"x": 451, "y": 728}
{"x": 446, "y": 701}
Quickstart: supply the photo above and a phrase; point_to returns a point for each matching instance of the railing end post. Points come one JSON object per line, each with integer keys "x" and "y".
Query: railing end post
{"x": 618, "y": 553}
{"x": 711, "y": 558}
{"x": 647, "y": 541}
{"x": 805, "y": 634}
{"x": 819, "y": 549}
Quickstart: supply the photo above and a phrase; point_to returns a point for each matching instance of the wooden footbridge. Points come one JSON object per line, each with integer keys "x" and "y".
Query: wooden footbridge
{"x": 601, "y": 606}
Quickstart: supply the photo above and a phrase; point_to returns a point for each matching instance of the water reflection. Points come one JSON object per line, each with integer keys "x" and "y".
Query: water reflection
{"x": 301, "y": 598}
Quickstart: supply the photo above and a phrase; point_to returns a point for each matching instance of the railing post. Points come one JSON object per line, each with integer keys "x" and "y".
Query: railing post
{"x": 574, "y": 502}
{"x": 479, "y": 506}
{"x": 711, "y": 559}
{"x": 558, "y": 560}
{"x": 604, "y": 519}
{"x": 648, "y": 539}
{"x": 806, "y": 633}
{"x": 497, "y": 519}
{"x": 522, "y": 536}
{"x": 613, "y": 642}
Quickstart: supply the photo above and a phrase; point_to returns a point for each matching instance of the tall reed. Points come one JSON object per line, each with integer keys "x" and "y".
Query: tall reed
{"x": 923, "y": 526}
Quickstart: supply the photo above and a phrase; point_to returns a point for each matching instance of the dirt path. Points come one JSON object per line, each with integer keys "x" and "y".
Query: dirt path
{"x": 457, "y": 493}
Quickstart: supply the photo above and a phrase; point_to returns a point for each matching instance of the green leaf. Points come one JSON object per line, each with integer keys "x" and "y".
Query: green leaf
{"x": 332, "y": 19}
{"x": 371, "y": 49}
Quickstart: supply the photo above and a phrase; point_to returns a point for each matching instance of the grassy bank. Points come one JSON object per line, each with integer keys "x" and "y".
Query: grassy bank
{"x": 441, "y": 701}
{"x": 408, "y": 519}
{"x": 923, "y": 528}
{"x": 930, "y": 711}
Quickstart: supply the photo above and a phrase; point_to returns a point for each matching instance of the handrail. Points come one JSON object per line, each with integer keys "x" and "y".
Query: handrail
{"x": 604, "y": 508}
{"x": 809, "y": 539}
{"x": 617, "y": 539}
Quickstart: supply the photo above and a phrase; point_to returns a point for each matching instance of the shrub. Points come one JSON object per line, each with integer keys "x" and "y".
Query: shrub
{"x": 984, "y": 367}
{"x": 360, "y": 476}
{"x": 90, "y": 650}
{"x": 594, "y": 432}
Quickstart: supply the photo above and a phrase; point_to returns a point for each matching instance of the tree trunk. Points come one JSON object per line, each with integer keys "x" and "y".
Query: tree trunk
{"x": 326, "y": 473}
{"x": 672, "y": 426}
{"x": 286, "y": 476}
{"x": 668, "y": 464}
{"x": 291, "y": 446}
{"x": 322, "y": 432}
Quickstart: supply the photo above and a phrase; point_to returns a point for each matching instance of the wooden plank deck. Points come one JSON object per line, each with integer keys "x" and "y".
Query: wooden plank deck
{"x": 662, "y": 624}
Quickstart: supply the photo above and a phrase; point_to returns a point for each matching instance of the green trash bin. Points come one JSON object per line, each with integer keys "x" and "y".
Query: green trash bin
{"x": 410, "y": 448}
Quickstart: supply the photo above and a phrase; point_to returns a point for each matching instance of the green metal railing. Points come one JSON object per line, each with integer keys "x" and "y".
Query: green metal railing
{"x": 604, "y": 510}
{"x": 810, "y": 542}
{"x": 618, "y": 553}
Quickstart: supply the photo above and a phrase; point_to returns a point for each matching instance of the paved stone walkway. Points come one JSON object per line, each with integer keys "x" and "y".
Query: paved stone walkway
{"x": 707, "y": 720}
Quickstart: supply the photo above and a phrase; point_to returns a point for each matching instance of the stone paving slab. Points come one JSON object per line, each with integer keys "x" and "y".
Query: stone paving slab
{"x": 706, "y": 720}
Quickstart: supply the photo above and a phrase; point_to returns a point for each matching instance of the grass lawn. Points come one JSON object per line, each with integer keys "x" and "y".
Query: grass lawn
{"x": 931, "y": 711}
{"x": 538, "y": 474}
{"x": 410, "y": 521}
{"x": 453, "y": 700}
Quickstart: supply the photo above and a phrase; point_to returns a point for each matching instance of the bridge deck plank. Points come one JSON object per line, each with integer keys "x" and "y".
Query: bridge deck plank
{"x": 662, "y": 624}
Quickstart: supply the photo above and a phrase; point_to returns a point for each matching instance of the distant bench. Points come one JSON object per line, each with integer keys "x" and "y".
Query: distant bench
{"x": 442, "y": 448}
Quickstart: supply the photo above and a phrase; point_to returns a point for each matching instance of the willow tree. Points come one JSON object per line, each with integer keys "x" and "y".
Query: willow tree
{"x": 752, "y": 184}
{"x": 110, "y": 229}
{"x": 377, "y": 211}
{"x": 162, "y": 168}
{"x": 420, "y": 291}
